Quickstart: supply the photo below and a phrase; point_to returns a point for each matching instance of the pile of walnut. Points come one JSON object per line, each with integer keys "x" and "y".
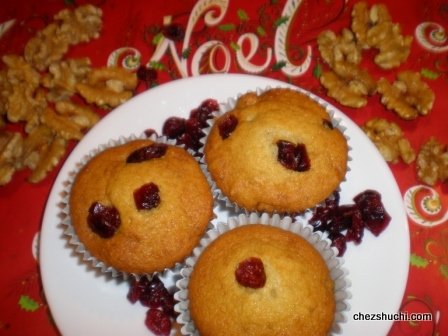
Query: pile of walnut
{"x": 41, "y": 90}
{"x": 408, "y": 96}
{"x": 349, "y": 84}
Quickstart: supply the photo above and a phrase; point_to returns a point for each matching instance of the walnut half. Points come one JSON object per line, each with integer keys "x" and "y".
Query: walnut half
{"x": 432, "y": 162}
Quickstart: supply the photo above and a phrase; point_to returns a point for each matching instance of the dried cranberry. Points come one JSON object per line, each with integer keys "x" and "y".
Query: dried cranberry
{"x": 147, "y": 197}
{"x": 294, "y": 157}
{"x": 147, "y": 75}
{"x": 373, "y": 212}
{"x": 194, "y": 129}
{"x": 339, "y": 241}
{"x": 355, "y": 231}
{"x": 103, "y": 220}
{"x": 173, "y": 127}
{"x": 137, "y": 289}
{"x": 150, "y": 132}
{"x": 227, "y": 125}
{"x": 146, "y": 153}
{"x": 250, "y": 273}
{"x": 204, "y": 111}
{"x": 158, "y": 322}
{"x": 174, "y": 32}
{"x": 343, "y": 218}
{"x": 327, "y": 124}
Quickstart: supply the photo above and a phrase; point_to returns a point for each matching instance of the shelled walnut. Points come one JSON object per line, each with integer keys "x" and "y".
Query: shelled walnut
{"x": 39, "y": 89}
{"x": 432, "y": 162}
{"x": 374, "y": 28}
{"x": 390, "y": 140}
{"x": 408, "y": 96}
{"x": 348, "y": 84}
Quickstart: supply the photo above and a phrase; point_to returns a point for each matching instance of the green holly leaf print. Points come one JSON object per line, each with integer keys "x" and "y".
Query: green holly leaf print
{"x": 234, "y": 46}
{"x": 260, "y": 31}
{"x": 242, "y": 15}
{"x": 157, "y": 65}
{"x": 157, "y": 38}
{"x": 227, "y": 27}
{"x": 317, "y": 71}
{"x": 281, "y": 21}
{"x": 277, "y": 66}
{"x": 186, "y": 52}
{"x": 418, "y": 261}
{"x": 429, "y": 74}
{"x": 444, "y": 270}
{"x": 28, "y": 304}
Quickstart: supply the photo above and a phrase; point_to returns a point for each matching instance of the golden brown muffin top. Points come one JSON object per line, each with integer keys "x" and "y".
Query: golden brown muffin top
{"x": 147, "y": 240}
{"x": 296, "y": 299}
{"x": 245, "y": 165}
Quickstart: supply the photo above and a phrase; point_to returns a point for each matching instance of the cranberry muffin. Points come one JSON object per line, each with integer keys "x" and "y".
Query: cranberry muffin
{"x": 140, "y": 207}
{"x": 276, "y": 152}
{"x": 261, "y": 280}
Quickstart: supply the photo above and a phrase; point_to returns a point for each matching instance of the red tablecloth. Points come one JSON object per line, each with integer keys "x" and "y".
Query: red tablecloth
{"x": 135, "y": 24}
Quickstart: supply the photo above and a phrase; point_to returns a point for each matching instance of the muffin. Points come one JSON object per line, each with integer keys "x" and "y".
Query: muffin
{"x": 261, "y": 280}
{"x": 140, "y": 207}
{"x": 276, "y": 152}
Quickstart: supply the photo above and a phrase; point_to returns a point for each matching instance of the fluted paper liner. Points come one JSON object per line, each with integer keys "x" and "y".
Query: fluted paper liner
{"x": 230, "y": 105}
{"x": 297, "y": 226}
{"x": 69, "y": 231}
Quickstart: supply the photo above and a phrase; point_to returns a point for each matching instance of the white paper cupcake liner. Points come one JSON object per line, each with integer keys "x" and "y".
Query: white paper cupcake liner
{"x": 69, "y": 232}
{"x": 338, "y": 274}
{"x": 230, "y": 105}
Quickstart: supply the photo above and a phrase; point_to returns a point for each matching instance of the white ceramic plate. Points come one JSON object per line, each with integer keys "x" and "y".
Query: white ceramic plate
{"x": 84, "y": 303}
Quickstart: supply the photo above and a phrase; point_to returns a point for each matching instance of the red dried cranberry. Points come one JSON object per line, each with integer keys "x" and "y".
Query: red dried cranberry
{"x": 147, "y": 197}
{"x": 373, "y": 212}
{"x": 137, "y": 289}
{"x": 150, "y": 132}
{"x": 327, "y": 124}
{"x": 339, "y": 241}
{"x": 146, "y": 153}
{"x": 343, "y": 218}
{"x": 204, "y": 111}
{"x": 250, "y": 273}
{"x": 173, "y": 127}
{"x": 227, "y": 125}
{"x": 294, "y": 157}
{"x": 355, "y": 231}
{"x": 147, "y": 75}
{"x": 174, "y": 32}
{"x": 158, "y": 322}
{"x": 103, "y": 220}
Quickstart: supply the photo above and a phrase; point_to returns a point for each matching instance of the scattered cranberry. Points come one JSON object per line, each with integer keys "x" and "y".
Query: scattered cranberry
{"x": 204, "y": 111}
{"x": 327, "y": 124}
{"x": 173, "y": 127}
{"x": 373, "y": 212}
{"x": 174, "y": 32}
{"x": 146, "y": 153}
{"x": 294, "y": 157}
{"x": 153, "y": 294}
{"x": 250, "y": 273}
{"x": 138, "y": 287}
{"x": 158, "y": 322}
{"x": 188, "y": 132}
{"x": 150, "y": 132}
{"x": 346, "y": 223}
{"x": 147, "y": 197}
{"x": 340, "y": 242}
{"x": 103, "y": 220}
{"x": 147, "y": 75}
{"x": 227, "y": 125}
